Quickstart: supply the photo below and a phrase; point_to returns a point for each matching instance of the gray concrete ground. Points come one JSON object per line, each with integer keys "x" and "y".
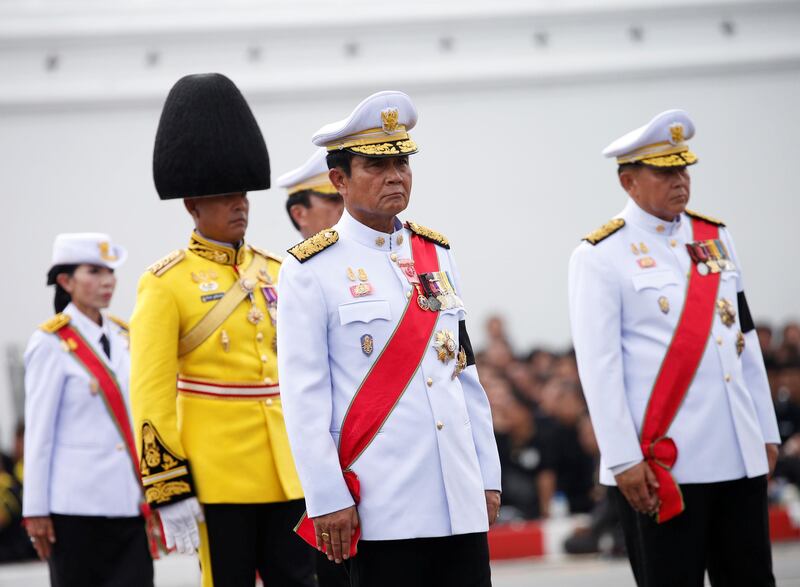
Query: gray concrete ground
{"x": 181, "y": 571}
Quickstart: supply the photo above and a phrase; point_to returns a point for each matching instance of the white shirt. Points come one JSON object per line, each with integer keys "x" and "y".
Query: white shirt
{"x": 426, "y": 471}
{"x": 76, "y": 461}
{"x": 621, "y": 334}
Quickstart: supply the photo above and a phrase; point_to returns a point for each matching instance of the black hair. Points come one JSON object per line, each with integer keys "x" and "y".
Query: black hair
{"x": 62, "y": 298}
{"x": 340, "y": 159}
{"x": 303, "y": 198}
{"x": 626, "y": 166}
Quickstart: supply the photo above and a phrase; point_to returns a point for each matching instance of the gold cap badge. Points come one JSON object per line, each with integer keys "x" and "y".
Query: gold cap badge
{"x": 389, "y": 119}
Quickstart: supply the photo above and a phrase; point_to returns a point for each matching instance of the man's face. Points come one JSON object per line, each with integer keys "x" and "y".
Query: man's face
{"x": 662, "y": 192}
{"x": 323, "y": 212}
{"x": 221, "y": 218}
{"x": 376, "y": 188}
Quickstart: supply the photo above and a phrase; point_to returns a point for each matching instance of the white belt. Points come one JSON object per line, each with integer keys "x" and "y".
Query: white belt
{"x": 224, "y": 390}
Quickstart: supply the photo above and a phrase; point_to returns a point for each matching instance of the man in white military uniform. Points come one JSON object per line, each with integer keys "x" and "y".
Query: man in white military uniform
{"x": 673, "y": 373}
{"x": 382, "y": 401}
{"x": 313, "y": 203}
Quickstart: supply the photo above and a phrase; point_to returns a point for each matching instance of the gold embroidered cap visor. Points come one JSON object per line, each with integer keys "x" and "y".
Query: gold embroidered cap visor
{"x": 375, "y": 142}
{"x": 660, "y": 155}
{"x": 319, "y": 184}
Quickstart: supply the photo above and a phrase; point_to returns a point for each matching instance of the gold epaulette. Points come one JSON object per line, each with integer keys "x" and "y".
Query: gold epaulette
{"x": 313, "y": 245}
{"x": 267, "y": 254}
{"x": 163, "y": 265}
{"x": 428, "y": 234}
{"x": 119, "y": 322}
{"x": 55, "y": 323}
{"x": 710, "y": 219}
{"x": 604, "y": 231}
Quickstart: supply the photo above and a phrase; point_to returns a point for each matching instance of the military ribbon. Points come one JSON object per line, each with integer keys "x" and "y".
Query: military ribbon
{"x": 675, "y": 376}
{"x": 383, "y": 386}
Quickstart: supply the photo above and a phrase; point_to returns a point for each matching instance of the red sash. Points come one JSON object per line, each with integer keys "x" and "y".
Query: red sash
{"x": 112, "y": 396}
{"x": 675, "y": 376}
{"x": 384, "y": 385}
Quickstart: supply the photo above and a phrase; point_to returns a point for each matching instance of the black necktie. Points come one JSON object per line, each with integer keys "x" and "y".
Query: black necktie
{"x": 106, "y": 345}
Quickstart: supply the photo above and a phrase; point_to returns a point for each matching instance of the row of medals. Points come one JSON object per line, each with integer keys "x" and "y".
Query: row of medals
{"x": 255, "y": 316}
{"x": 710, "y": 256}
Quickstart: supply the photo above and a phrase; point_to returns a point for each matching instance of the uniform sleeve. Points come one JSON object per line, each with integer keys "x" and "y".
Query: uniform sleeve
{"x": 306, "y": 389}
{"x": 595, "y": 307}
{"x": 480, "y": 414}
{"x": 155, "y": 329}
{"x": 44, "y": 385}
{"x": 753, "y": 369}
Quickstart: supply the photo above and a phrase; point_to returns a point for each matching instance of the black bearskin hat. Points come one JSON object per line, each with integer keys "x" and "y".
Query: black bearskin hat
{"x": 208, "y": 141}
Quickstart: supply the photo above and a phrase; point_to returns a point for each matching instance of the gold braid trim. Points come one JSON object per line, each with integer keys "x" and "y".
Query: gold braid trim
{"x": 604, "y": 231}
{"x": 119, "y": 322}
{"x": 55, "y": 323}
{"x": 313, "y": 245}
{"x": 163, "y": 265}
{"x": 406, "y": 147}
{"x": 164, "y": 474}
{"x": 428, "y": 234}
{"x": 709, "y": 219}
{"x": 677, "y": 160}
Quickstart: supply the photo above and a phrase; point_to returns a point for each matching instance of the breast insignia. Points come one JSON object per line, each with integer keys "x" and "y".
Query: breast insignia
{"x": 163, "y": 265}
{"x": 709, "y": 219}
{"x": 428, "y": 234}
{"x": 604, "y": 231}
{"x": 55, "y": 323}
{"x": 267, "y": 254}
{"x": 314, "y": 245}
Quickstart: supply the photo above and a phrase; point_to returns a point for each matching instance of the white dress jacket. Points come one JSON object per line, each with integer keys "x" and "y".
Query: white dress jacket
{"x": 624, "y": 312}
{"x": 76, "y": 462}
{"x": 425, "y": 473}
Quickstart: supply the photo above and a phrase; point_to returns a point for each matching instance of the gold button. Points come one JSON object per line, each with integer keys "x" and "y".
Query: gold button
{"x": 380, "y": 241}
{"x": 393, "y": 256}
{"x": 263, "y": 358}
{"x": 408, "y": 294}
{"x": 430, "y": 382}
{"x": 248, "y": 284}
{"x": 259, "y": 337}
{"x": 727, "y": 378}
{"x": 719, "y": 340}
{"x": 439, "y": 425}
{"x": 399, "y": 239}
{"x": 660, "y": 228}
{"x": 673, "y": 243}
{"x": 120, "y": 446}
{"x": 268, "y": 380}
{"x": 268, "y": 401}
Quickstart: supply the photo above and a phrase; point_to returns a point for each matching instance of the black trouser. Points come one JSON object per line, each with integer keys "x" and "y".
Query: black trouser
{"x": 461, "y": 560}
{"x": 330, "y": 574}
{"x": 724, "y": 529}
{"x": 92, "y": 551}
{"x": 243, "y": 538}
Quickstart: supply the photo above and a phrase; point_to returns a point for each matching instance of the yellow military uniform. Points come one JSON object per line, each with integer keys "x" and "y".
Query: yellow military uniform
{"x": 224, "y": 447}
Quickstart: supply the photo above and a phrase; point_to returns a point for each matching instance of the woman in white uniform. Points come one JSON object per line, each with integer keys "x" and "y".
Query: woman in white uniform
{"x": 82, "y": 494}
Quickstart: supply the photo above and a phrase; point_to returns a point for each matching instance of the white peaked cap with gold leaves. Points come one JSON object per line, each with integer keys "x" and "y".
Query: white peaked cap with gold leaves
{"x": 378, "y": 127}
{"x": 311, "y": 175}
{"x": 659, "y": 143}
{"x": 93, "y": 248}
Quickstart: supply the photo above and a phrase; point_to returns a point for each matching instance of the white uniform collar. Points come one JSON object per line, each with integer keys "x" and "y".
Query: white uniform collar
{"x": 90, "y": 330}
{"x": 633, "y": 214}
{"x": 381, "y": 241}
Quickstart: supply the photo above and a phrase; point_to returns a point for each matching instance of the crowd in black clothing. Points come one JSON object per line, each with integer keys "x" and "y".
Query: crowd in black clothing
{"x": 548, "y": 451}
{"x": 14, "y": 542}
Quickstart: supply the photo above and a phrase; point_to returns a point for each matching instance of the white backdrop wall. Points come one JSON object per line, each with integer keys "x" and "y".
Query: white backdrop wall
{"x": 509, "y": 167}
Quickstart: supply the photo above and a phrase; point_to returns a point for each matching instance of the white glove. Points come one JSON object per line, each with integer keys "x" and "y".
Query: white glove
{"x": 180, "y": 524}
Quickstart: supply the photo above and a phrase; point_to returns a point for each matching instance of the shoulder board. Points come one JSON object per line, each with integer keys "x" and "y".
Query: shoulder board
{"x": 163, "y": 265}
{"x": 266, "y": 254}
{"x": 604, "y": 231}
{"x": 710, "y": 219}
{"x": 55, "y": 323}
{"x": 428, "y": 234}
{"x": 313, "y": 245}
{"x": 119, "y": 322}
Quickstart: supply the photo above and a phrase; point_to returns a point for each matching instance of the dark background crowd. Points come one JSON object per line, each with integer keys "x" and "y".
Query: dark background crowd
{"x": 547, "y": 447}
{"x": 548, "y": 451}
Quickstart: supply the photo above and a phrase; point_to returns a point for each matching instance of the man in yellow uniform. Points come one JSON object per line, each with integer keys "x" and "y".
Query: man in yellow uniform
{"x": 204, "y": 379}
